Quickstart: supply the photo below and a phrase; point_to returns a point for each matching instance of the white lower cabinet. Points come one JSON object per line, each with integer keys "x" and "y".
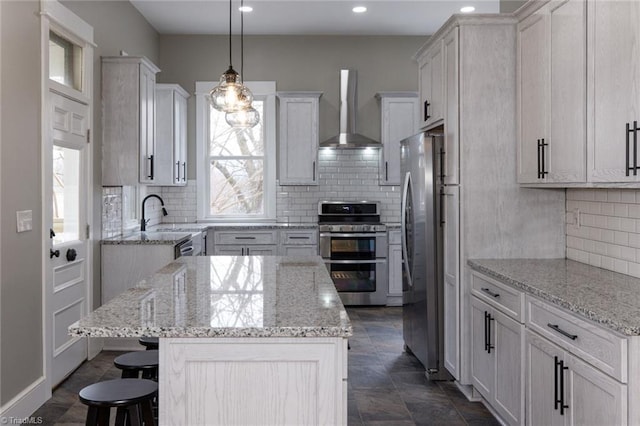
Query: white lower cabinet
{"x": 564, "y": 390}
{"x": 299, "y": 242}
{"x": 496, "y": 362}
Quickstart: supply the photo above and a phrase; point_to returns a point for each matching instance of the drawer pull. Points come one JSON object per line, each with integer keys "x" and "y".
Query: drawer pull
{"x": 490, "y": 293}
{"x": 555, "y": 327}
{"x": 298, "y": 238}
{"x": 245, "y": 238}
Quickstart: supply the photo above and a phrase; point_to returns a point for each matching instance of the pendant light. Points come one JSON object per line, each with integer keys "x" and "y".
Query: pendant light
{"x": 230, "y": 94}
{"x": 247, "y": 116}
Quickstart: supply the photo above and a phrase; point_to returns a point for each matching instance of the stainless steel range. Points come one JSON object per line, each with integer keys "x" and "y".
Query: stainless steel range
{"x": 353, "y": 244}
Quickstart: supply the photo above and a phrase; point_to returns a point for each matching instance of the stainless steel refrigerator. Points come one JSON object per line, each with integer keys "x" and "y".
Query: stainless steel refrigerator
{"x": 422, "y": 272}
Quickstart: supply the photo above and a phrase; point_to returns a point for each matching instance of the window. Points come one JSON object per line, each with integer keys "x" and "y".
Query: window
{"x": 65, "y": 61}
{"x": 236, "y": 171}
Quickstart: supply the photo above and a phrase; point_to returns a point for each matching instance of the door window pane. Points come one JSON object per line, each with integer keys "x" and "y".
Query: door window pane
{"x": 65, "y": 61}
{"x": 66, "y": 194}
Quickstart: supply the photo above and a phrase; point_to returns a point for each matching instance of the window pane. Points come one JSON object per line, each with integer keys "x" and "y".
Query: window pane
{"x": 65, "y": 62}
{"x": 66, "y": 194}
{"x": 225, "y": 141}
{"x": 237, "y": 187}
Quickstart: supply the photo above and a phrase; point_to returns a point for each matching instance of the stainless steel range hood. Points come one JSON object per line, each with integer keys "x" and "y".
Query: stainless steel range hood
{"x": 348, "y": 138}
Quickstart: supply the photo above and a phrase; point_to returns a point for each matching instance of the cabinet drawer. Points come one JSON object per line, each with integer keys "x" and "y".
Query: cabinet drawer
{"x": 245, "y": 238}
{"x": 602, "y": 348}
{"x": 501, "y": 296}
{"x": 303, "y": 237}
{"x": 395, "y": 237}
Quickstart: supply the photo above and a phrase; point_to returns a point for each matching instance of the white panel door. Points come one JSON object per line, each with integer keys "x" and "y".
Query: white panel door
{"x": 614, "y": 40}
{"x": 508, "y": 396}
{"x": 482, "y": 357}
{"x": 533, "y": 67}
{"x": 67, "y": 278}
{"x": 542, "y": 381}
{"x": 451, "y": 262}
{"x": 451, "y": 108}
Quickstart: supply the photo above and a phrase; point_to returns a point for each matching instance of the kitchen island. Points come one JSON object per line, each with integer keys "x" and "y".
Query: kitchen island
{"x": 244, "y": 339}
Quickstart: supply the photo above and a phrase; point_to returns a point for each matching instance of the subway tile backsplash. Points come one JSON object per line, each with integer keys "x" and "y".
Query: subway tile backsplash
{"x": 603, "y": 228}
{"x": 343, "y": 175}
{"x": 349, "y": 175}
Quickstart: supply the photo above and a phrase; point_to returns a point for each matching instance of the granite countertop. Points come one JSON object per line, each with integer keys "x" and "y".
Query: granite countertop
{"x": 393, "y": 225}
{"x": 226, "y": 296}
{"x": 608, "y": 298}
{"x": 202, "y": 226}
{"x": 149, "y": 237}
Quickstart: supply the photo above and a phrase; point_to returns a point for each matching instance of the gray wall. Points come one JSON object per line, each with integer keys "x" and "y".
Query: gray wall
{"x": 508, "y": 6}
{"x": 21, "y": 270}
{"x": 118, "y": 26}
{"x": 297, "y": 63}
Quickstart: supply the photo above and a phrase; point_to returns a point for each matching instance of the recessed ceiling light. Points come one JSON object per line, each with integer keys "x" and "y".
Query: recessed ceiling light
{"x": 467, "y": 9}
{"x": 245, "y": 9}
{"x": 359, "y": 9}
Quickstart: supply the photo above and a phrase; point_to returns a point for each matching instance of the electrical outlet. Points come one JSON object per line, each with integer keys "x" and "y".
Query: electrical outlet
{"x": 24, "y": 219}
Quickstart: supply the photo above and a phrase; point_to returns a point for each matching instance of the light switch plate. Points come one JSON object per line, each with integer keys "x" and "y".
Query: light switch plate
{"x": 24, "y": 219}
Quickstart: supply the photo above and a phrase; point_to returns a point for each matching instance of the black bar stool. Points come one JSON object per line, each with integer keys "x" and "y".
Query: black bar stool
{"x": 134, "y": 363}
{"x": 131, "y": 398}
{"x": 149, "y": 342}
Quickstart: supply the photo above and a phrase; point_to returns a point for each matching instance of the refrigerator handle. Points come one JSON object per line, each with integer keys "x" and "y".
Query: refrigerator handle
{"x": 403, "y": 227}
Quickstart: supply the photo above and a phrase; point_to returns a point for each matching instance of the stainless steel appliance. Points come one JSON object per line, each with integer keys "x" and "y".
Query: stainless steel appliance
{"x": 353, "y": 244}
{"x": 422, "y": 277}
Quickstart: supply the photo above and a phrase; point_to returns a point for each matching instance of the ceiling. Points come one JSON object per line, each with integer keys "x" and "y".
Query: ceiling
{"x": 306, "y": 17}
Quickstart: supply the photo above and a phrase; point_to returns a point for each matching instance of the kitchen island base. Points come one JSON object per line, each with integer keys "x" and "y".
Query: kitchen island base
{"x": 253, "y": 381}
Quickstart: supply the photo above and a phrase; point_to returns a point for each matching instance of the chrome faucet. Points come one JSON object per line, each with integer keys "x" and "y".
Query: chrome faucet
{"x": 143, "y": 221}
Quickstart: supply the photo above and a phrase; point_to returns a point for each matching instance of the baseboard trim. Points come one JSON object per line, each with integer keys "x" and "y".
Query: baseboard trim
{"x": 26, "y": 402}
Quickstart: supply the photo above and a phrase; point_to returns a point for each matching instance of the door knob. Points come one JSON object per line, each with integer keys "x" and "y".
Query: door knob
{"x": 53, "y": 253}
{"x": 71, "y": 255}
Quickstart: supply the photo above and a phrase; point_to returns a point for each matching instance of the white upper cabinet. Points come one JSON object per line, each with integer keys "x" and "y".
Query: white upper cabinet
{"x": 431, "y": 85}
{"x": 399, "y": 120}
{"x": 614, "y": 93}
{"x": 171, "y": 135}
{"x": 552, "y": 94}
{"x": 298, "y": 138}
{"x": 128, "y": 120}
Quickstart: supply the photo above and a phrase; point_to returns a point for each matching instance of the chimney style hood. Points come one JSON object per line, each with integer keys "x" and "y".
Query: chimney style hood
{"x": 348, "y": 138}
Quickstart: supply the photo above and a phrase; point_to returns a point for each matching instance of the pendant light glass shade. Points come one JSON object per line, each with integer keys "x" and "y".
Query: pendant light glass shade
{"x": 230, "y": 94}
{"x": 243, "y": 118}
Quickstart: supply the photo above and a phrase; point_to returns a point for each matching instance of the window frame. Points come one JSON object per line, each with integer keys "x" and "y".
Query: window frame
{"x": 265, "y": 91}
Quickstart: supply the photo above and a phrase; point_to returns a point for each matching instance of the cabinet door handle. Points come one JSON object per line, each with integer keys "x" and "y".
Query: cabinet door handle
{"x": 627, "y": 166}
{"x": 150, "y": 176}
{"x": 635, "y": 148}
{"x": 539, "y": 151}
{"x": 314, "y": 171}
{"x": 490, "y": 293}
{"x": 386, "y": 171}
{"x": 426, "y": 110}
{"x": 184, "y": 171}
{"x": 489, "y": 345}
{"x": 486, "y": 329}
{"x": 556, "y": 400}
{"x": 557, "y": 328}
{"x": 177, "y": 171}
{"x": 562, "y": 404}
{"x": 543, "y": 170}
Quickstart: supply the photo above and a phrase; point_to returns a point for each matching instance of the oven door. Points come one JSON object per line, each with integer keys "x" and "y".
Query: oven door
{"x": 353, "y": 246}
{"x": 359, "y": 282}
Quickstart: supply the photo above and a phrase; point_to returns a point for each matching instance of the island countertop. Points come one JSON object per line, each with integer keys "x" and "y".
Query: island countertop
{"x": 226, "y": 296}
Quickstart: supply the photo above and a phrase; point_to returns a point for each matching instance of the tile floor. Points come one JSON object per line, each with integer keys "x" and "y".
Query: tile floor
{"x": 386, "y": 385}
